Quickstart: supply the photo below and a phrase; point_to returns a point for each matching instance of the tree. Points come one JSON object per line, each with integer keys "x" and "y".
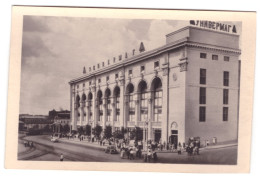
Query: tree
{"x": 80, "y": 130}
{"x": 66, "y": 128}
{"x": 108, "y": 132}
{"x": 136, "y": 134}
{"x": 88, "y": 130}
{"x": 118, "y": 134}
{"x": 97, "y": 131}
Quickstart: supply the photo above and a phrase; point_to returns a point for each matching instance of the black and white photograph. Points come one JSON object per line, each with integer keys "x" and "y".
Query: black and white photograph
{"x": 129, "y": 90}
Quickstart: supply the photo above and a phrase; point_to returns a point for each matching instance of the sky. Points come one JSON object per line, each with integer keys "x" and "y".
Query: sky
{"x": 55, "y": 50}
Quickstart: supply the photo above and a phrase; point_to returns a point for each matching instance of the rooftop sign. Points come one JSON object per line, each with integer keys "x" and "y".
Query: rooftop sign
{"x": 214, "y": 25}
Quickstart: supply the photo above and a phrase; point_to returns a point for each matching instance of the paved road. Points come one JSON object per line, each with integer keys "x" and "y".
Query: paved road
{"x": 49, "y": 151}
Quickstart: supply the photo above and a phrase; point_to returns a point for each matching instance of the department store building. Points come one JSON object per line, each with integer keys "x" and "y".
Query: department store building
{"x": 188, "y": 87}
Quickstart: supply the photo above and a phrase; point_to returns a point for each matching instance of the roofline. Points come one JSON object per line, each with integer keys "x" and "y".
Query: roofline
{"x": 154, "y": 52}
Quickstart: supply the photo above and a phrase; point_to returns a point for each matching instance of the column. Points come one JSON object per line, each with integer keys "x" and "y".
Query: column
{"x": 72, "y": 102}
{"x": 81, "y": 113}
{"x": 137, "y": 108}
{"x": 149, "y": 117}
{"x": 165, "y": 102}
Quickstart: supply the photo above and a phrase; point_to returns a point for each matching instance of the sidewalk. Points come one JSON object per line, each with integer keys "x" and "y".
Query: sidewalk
{"x": 84, "y": 143}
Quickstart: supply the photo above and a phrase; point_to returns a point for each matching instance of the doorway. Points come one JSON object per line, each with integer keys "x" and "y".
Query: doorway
{"x": 174, "y": 138}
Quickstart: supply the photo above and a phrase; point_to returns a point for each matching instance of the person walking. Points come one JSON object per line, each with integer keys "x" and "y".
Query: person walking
{"x": 61, "y": 157}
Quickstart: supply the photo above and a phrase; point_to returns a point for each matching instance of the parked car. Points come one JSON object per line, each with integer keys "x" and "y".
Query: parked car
{"x": 54, "y": 139}
{"x": 111, "y": 149}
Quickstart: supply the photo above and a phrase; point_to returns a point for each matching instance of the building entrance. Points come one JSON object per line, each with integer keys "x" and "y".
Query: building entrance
{"x": 157, "y": 135}
{"x": 174, "y": 138}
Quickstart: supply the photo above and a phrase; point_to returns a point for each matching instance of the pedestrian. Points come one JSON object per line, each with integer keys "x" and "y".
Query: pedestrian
{"x": 61, "y": 157}
{"x": 25, "y": 144}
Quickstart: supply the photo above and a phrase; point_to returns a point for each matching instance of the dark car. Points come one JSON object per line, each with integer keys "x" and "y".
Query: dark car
{"x": 111, "y": 149}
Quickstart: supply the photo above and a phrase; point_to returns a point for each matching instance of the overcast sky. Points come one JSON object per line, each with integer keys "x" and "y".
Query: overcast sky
{"x": 55, "y": 50}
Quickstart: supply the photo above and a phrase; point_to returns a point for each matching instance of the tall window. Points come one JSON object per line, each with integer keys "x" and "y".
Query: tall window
{"x": 225, "y": 96}
{"x": 107, "y": 78}
{"x": 226, "y": 78}
{"x": 225, "y": 113}
{"x": 158, "y": 106}
{"x": 108, "y": 106}
{"x": 202, "y": 76}
{"x": 100, "y": 105}
{"x": 157, "y": 96}
{"x": 117, "y": 101}
{"x": 90, "y": 106}
{"x": 202, "y": 95}
{"x": 202, "y": 114}
{"x": 109, "y": 116}
{"x": 131, "y": 103}
{"x": 143, "y": 95}
{"x": 131, "y": 108}
{"x": 116, "y": 76}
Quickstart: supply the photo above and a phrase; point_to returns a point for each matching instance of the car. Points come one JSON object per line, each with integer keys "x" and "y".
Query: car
{"x": 111, "y": 149}
{"x": 54, "y": 139}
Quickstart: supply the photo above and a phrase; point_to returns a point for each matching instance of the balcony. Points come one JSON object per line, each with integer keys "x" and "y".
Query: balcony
{"x": 130, "y": 124}
{"x": 156, "y": 124}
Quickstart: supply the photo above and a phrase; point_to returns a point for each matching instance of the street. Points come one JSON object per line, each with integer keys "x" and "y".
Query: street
{"x": 45, "y": 150}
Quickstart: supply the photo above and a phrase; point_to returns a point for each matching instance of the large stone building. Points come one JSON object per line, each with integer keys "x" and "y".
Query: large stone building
{"x": 188, "y": 87}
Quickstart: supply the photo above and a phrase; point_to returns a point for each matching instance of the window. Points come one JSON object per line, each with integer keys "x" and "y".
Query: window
{"x": 214, "y": 57}
{"x": 158, "y": 106}
{"x": 131, "y": 108}
{"x": 93, "y": 68}
{"x": 108, "y": 62}
{"x": 156, "y": 64}
{"x": 120, "y": 57}
{"x": 83, "y": 84}
{"x": 130, "y": 72}
{"x": 225, "y": 96}
{"x": 225, "y": 113}
{"x": 226, "y": 78}
{"x": 142, "y": 69}
{"x": 109, "y": 109}
{"x": 202, "y": 114}
{"x": 77, "y": 86}
{"x": 114, "y": 59}
{"x": 107, "y": 78}
{"x": 202, "y": 95}
{"x": 144, "y": 106}
{"x": 117, "y": 106}
{"x": 116, "y": 75}
{"x": 89, "y": 69}
{"x": 103, "y": 64}
{"x": 202, "y": 76}
{"x": 226, "y": 58}
{"x": 89, "y": 83}
{"x": 98, "y": 66}
{"x": 203, "y": 55}
{"x": 99, "y": 80}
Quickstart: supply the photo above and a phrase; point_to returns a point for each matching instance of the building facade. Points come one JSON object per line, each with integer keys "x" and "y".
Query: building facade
{"x": 188, "y": 87}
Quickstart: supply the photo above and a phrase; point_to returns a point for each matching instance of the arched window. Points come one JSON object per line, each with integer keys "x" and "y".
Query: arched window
{"x": 100, "y": 105}
{"x": 109, "y": 108}
{"x": 130, "y": 94}
{"x": 90, "y": 103}
{"x": 117, "y": 101}
{"x": 83, "y": 103}
{"x": 143, "y": 96}
{"x": 78, "y": 107}
{"x": 157, "y": 96}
